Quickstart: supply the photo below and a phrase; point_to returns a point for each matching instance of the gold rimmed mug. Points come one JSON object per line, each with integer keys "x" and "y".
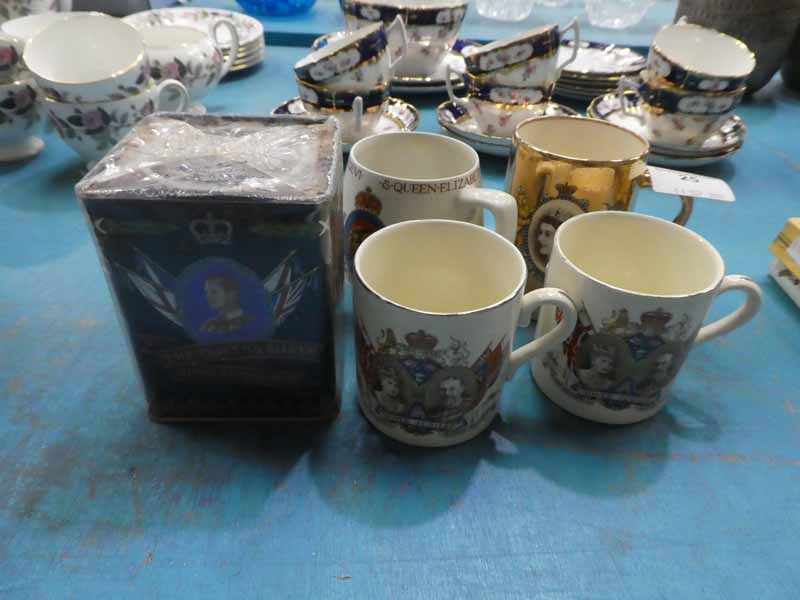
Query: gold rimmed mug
{"x": 564, "y": 166}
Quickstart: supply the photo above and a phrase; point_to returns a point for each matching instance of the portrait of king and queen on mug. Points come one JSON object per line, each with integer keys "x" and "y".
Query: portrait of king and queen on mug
{"x": 424, "y": 384}
{"x": 625, "y": 361}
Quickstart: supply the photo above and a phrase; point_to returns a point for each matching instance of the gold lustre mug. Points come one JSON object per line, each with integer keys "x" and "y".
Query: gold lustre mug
{"x": 562, "y": 167}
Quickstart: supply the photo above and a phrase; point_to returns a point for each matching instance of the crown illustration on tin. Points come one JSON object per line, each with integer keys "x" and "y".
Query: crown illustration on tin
{"x": 368, "y": 201}
{"x": 658, "y": 316}
{"x": 421, "y": 340}
{"x": 211, "y": 231}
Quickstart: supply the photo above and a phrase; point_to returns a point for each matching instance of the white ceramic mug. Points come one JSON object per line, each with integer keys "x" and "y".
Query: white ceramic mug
{"x": 403, "y": 176}
{"x": 92, "y": 129}
{"x": 643, "y": 287}
{"x": 436, "y": 305}
{"x": 88, "y": 58}
{"x": 189, "y": 55}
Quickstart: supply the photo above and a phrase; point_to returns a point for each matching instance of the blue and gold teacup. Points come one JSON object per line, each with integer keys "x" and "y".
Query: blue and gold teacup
{"x": 360, "y": 60}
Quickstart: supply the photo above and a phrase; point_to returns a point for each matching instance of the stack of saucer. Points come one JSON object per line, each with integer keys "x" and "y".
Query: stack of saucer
{"x": 724, "y": 143}
{"x": 251, "y": 49}
{"x": 596, "y": 69}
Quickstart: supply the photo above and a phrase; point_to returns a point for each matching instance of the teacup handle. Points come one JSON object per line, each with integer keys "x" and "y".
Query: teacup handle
{"x": 234, "y": 43}
{"x": 397, "y": 39}
{"x": 503, "y": 206}
{"x": 531, "y": 302}
{"x": 173, "y": 84}
{"x": 624, "y": 85}
{"x": 738, "y": 317}
{"x": 448, "y": 81}
{"x": 687, "y": 202}
{"x": 358, "y": 112}
{"x": 576, "y": 30}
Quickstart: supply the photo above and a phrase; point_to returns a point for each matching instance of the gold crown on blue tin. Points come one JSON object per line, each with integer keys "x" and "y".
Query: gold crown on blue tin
{"x": 211, "y": 230}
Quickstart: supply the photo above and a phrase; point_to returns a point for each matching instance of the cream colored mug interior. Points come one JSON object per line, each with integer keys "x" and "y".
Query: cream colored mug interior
{"x": 414, "y": 156}
{"x": 579, "y": 138}
{"x": 439, "y": 266}
{"x": 640, "y": 254}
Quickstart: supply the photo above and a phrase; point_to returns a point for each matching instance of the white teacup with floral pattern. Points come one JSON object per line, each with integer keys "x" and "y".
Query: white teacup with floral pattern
{"x": 501, "y": 109}
{"x": 13, "y": 9}
{"x": 88, "y": 58}
{"x": 20, "y": 120}
{"x": 432, "y": 27}
{"x": 357, "y": 61}
{"x": 92, "y": 129}
{"x": 189, "y": 55}
{"x": 677, "y": 117}
{"x": 11, "y": 49}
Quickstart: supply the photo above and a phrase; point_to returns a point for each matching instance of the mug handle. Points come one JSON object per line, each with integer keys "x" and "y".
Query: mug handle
{"x": 398, "y": 40}
{"x": 234, "y": 43}
{"x": 168, "y": 84}
{"x": 738, "y": 317}
{"x": 502, "y": 205}
{"x": 531, "y": 302}
{"x": 358, "y": 112}
{"x": 576, "y": 30}
{"x": 687, "y": 202}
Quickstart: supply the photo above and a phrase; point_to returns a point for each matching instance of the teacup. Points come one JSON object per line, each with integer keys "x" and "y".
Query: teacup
{"x": 436, "y": 305}
{"x": 402, "y": 176}
{"x": 565, "y": 166}
{"x": 91, "y": 129}
{"x": 27, "y": 27}
{"x": 673, "y": 116}
{"x": 527, "y": 60}
{"x": 106, "y": 60}
{"x": 700, "y": 59}
{"x": 189, "y": 55}
{"x": 643, "y": 287}
{"x": 432, "y": 27}
{"x": 358, "y": 113}
{"x": 20, "y": 120}
{"x": 499, "y": 109}
{"x": 14, "y": 9}
{"x": 358, "y": 61}
{"x": 11, "y": 49}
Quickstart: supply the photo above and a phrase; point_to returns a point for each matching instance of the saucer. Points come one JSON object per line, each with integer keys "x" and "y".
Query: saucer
{"x": 27, "y": 148}
{"x": 397, "y": 116}
{"x": 423, "y": 84}
{"x": 459, "y": 123}
{"x": 722, "y": 144}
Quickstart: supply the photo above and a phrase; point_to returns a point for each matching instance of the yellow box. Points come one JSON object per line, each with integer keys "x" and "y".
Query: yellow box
{"x": 786, "y": 247}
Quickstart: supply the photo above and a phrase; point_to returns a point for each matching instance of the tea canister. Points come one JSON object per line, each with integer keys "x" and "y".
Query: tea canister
{"x": 221, "y": 241}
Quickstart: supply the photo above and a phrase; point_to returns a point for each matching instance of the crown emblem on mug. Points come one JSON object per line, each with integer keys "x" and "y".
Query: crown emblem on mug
{"x": 211, "y": 231}
{"x": 366, "y": 200}
{"x": 421, "y": 340}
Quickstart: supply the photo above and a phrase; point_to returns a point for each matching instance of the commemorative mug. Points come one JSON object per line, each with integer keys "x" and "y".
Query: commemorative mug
{"x": 565, "y": 166}
{"x": 189, "y": 55}
{"x": 436, "y": 304}
{"x": 643, "y": 287}
{"x": 526, "y": 60}
{"x": 432, "y": 28}
{"x": 360, "y": 60}
{"x": 106, "y": 60}
{"x": 404, "y": 176}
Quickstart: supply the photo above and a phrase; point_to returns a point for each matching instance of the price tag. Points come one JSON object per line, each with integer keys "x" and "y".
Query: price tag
{"x": 681, "y": 183}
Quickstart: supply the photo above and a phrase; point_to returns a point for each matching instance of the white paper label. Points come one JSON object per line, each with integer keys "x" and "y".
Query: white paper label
{"x": 681, "y": 183}
{"x": 794, "y": 250}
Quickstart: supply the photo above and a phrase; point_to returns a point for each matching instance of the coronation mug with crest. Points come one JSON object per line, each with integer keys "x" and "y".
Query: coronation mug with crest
{"x": 566, "y": 166}
{"x": 436, "y": 305}
{"x": 643, "y": 287}
{"x": 403, "y": 176}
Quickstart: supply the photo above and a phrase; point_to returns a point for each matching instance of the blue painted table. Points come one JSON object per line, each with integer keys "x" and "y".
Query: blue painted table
{"x": 97, "y": 502}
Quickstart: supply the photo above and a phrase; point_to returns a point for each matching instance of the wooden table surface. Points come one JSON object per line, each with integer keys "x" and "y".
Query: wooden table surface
{"x": 98, "y": 502}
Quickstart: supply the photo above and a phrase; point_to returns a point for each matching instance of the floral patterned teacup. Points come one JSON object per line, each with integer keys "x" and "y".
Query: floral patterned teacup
{"x": 677, "y": 117}
{"x": 20, "y": 120}
{"x": 11, "y": 49}
{"x": 88, "y": 58}
{"x": 432, "y": 27}
{"x": 14, "y": 9}
{"x": 357, "y": 61}
{"x": 527, "y": 60}
{"x": 700, "y": 59}
{"x": 92, "y": 129}
{"x": 189, "y": 55}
